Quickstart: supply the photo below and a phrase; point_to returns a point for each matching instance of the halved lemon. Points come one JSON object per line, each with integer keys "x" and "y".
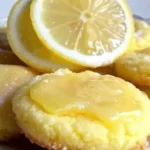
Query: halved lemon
{"x": 26, "y": 45}
{"x": 92, "y": 33}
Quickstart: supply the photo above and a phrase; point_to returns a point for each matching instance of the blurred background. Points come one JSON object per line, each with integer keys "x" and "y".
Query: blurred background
{"x": 140, "y": 7}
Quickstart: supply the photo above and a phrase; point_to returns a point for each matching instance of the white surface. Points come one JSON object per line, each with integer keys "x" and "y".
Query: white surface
{"x": 5, "y": 6}
{"x": 139, "y": 7}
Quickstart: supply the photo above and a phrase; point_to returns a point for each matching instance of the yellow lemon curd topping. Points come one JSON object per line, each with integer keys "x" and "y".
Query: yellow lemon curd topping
{"x": 94, "y": 96}
{"x": 83, "y": 111}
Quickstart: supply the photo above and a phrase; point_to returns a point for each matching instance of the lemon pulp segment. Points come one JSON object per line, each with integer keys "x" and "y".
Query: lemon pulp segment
{"x": 27, "y": 46}
{"x": 87, "y": 94}
{"x": 85, "y": 32}
{"x": 85, "y": 27}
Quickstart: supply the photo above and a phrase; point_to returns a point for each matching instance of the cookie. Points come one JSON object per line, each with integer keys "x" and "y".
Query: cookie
{"x": 134, "y": 67}
{"x": 12, "y": 78}
{"x": 83, "y": 111}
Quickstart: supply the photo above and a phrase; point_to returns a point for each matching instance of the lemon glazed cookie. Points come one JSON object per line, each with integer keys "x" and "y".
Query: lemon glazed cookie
{"x": 83, "y": 111}
{"x": 134, "y": 67}
{"x": 11, "y": 79}
{"x": 141, "y": 39}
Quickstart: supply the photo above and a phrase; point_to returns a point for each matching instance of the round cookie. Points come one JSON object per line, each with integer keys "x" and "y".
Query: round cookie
{"x": 141, "y": 39}
{"x": 12, "y": 78}
{"x": 83, "y": 111}
{"x": 134, "y": 67}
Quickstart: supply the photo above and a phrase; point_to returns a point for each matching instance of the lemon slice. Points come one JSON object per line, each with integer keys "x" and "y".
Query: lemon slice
{"x": 141, "y": 39}
{"x": 92, "y": 33}
{"x": 26, "y": 45}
